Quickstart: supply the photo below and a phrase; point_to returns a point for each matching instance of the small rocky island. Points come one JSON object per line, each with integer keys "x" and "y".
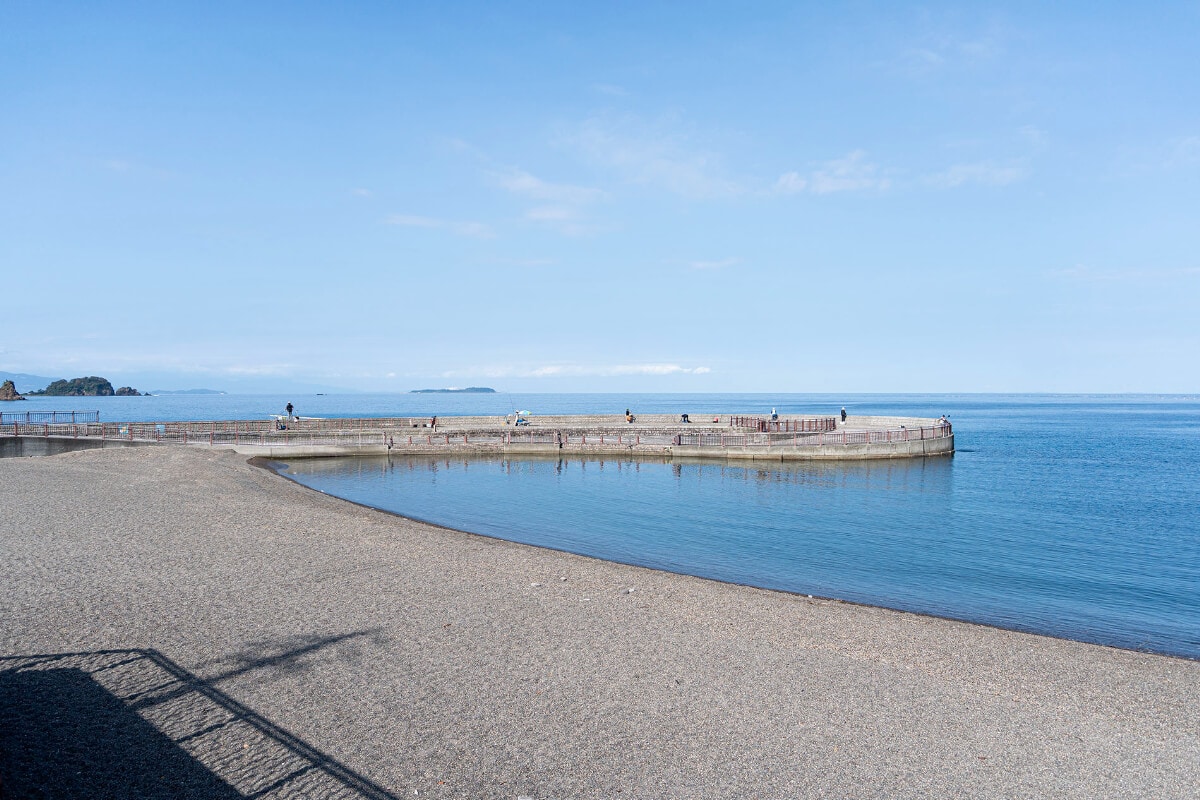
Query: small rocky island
{"x": 91, "y": 386}
{"x": 8, "y": 391}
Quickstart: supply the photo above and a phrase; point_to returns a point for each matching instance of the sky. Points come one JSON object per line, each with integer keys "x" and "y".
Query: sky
{"x": 683, "y": 197}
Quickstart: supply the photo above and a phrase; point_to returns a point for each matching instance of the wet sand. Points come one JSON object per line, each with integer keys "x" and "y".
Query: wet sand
{"x": 425, "y": 662}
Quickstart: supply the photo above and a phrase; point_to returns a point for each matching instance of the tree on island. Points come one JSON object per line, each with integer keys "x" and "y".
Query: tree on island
{"x": 91, "y": 386}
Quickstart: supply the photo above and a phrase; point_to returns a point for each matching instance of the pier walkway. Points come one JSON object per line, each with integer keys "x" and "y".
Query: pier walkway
{"x": 657, "y": 435}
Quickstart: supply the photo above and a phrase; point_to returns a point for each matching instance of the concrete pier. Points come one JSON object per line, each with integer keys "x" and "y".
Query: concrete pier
{"x": 657, "y": 436}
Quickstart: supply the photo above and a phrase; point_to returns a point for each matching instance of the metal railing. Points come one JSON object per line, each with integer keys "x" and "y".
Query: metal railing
{"x": 765, "y": 425}
{"x": 828, "y": 439}
{"x": 29, "y": 417}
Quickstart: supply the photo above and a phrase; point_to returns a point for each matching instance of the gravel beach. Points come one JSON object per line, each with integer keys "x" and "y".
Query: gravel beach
{"x": 177, "y": 622}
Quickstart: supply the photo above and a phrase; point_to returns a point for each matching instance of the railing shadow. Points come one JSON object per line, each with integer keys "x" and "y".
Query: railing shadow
{"x": 133, "y": 723}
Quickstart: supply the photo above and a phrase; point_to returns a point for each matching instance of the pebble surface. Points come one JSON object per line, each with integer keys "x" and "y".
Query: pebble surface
{"x": 436, "y": 663}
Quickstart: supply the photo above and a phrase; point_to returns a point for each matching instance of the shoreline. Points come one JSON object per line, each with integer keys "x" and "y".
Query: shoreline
{"x": 269, "y": 464}
{"x": 459, "y": 665}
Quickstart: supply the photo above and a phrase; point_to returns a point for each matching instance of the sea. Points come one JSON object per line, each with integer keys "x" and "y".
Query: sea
{"x": 1075, "y": 516}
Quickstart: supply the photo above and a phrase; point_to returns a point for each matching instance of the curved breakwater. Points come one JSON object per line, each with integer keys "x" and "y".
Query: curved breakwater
{"x": 721, "y": 437}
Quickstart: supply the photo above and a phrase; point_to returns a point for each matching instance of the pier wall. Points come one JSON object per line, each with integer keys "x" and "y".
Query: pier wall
{"x": 917, "y": 448}
{"x": 657, "y": 436}
{"x": 29, "y": 446}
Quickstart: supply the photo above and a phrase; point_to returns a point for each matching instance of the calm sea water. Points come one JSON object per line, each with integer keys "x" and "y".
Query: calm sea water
{"x": 1074, "y": 516}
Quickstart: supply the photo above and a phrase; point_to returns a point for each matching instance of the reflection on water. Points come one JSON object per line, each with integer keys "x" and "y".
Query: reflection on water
{"x": 925, "y": 475}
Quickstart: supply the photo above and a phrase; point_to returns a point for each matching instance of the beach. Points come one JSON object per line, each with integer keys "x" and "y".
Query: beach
{"x": 399, "y": 659}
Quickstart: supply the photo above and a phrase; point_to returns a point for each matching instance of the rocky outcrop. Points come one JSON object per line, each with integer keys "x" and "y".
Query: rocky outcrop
{"x": 8, "y": 391}
{"x": 91, "y": 386}
{"x": 128, "y": 391}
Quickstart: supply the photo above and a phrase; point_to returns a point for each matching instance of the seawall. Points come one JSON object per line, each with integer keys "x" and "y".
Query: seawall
{"x": 654, "y": 436}
{"x": 30, "y": 446}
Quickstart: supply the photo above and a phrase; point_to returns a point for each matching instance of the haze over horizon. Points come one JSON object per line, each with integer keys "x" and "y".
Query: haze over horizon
{"x": 650, "y": 198}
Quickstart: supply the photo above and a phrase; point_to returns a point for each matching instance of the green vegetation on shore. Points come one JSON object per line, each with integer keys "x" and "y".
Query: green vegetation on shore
{"x": 91, "y": 386}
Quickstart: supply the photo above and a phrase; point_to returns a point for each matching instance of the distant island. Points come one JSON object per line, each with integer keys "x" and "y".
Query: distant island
{"x": 468, "y": 390}
{"x": 91, "y": 386}
{"x": 185, "y": 391}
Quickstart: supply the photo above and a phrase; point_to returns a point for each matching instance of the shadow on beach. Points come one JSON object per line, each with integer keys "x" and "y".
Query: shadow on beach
{"x": 132, "y": 723}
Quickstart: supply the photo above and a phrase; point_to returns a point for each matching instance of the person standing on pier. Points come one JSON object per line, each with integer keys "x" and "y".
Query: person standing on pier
{"x": 289, "y": 410}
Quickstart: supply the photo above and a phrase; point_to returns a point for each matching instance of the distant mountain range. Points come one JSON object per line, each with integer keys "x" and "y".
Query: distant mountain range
{"x": 468, "y": 390}
{"x": 28, "y": 383}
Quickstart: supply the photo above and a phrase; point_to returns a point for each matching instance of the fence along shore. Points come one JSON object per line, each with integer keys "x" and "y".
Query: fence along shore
{"x": 720, "y": 436}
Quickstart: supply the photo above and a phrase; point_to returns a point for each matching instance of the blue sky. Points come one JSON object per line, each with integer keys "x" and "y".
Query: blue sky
{"x": 677, "y": 197}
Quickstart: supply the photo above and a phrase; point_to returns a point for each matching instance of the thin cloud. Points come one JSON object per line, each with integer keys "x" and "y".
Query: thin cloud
{"x": 565, "y": 220}
{"x": 922, "y": 58}
{"x": 1086, "y": 274}
{"x": 273, "y": 370}
{"x": 1032, "y": 135}
{"x": 550, "y": 214}
{"x": 610, "y": 90}
{"x": 578, "y": 371}
{"x": 360, "y": 192}
{"x": 522, "y": 183}
{"x": 851, "y": 173}
{"x": 134, "y": 168}
{"x": 984, "y": 173}
{"x": 476, "y": 230}
{"x": 561, "y": 206}
{"x": 1184, "y": 152}
{"x": 527, "y": 262}
{"x": 947, "y": 50}
{"x": 714, "y": 265}
{"x": 791, "y": 183}
{"x": 656, "y": 155}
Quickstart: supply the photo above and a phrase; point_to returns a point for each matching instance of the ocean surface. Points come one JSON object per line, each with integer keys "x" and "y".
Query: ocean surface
{"x": 1075, "y": 516}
